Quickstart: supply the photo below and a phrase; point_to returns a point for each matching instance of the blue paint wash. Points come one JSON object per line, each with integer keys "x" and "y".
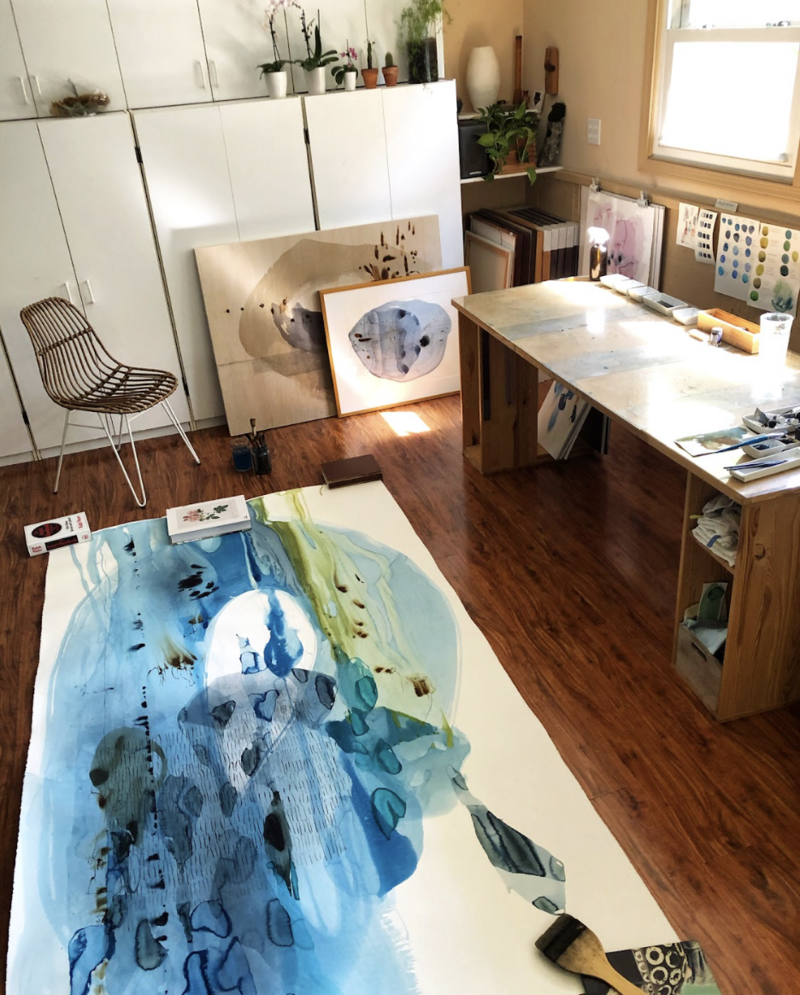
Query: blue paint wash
{"x": 219, "y": 817}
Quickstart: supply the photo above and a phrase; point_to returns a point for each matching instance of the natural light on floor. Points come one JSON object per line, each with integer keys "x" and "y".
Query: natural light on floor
{"x": 405, "y": 422}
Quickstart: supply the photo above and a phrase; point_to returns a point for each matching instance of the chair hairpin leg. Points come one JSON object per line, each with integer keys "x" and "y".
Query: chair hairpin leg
{"x": 168, "y": 408}
{"x": 141, "y": 502}
{"x": 61, "y": 454}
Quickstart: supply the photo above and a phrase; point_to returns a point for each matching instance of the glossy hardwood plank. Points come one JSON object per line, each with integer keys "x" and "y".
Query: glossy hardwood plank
{"x": 571, "y": 570}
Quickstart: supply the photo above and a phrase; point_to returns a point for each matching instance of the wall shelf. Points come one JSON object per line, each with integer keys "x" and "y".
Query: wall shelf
{"x": 510, "y": 174}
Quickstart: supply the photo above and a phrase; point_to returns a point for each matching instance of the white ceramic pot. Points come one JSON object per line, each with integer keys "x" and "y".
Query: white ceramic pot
{"x": 350, "y": 80}
{"x": 315, "y": 80}
{"x": 483, "y": 77}
{"x": 276, "y": 83}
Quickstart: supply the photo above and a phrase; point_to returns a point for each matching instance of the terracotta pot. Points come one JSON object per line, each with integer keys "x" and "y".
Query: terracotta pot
{"x": 390, "y": 75}
{"x": 370, "y": 78}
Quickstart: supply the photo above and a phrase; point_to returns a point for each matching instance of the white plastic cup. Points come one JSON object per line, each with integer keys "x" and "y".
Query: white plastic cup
{"x": 774, "y": 337}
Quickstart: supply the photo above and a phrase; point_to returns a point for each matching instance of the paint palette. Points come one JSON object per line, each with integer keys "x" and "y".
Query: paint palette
{"x": 639, "y": 293}
{"x": 664, "y": 304}
{"x": 686, "y": 315}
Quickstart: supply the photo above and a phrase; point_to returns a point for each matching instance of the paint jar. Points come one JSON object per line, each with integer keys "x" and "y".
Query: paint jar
{"x": 242, "y": 457}
{"x": 262, "y": 463}
{"x": 715, "y": 336}
{"x": 774, "y": 337}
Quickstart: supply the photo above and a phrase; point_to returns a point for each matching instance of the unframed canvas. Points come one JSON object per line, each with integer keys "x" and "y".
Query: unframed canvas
{"x": 286, "y": 760}
{"x": 394, "y": 342}
{"x": 264, "y": 315}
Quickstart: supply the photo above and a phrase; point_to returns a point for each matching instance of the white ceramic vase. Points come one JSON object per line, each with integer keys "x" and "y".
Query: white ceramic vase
{"x": 315, "y": 80}
{"x": 276, "y": 83}
{"x": 350, "y": 80}
{"x": 483, "y": 77}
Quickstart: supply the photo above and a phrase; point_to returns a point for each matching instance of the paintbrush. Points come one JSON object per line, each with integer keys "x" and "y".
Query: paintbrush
{"x": 576, "y": 948}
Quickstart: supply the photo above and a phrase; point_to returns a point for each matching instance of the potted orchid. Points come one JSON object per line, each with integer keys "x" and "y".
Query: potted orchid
{"x": 316, "y": 60}
{"x": 347, "y": 74}
{"x": 273, "y": 72}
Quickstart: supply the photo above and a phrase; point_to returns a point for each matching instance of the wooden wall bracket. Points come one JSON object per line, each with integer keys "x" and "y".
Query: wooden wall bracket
{"x": 551, "y": 70}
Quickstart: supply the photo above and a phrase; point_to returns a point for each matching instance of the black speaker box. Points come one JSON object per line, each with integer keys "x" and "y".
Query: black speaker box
{"x": 473, "y": 158}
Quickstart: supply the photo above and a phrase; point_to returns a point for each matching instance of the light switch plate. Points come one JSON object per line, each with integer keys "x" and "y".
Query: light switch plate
{"x": 593, "y": 131}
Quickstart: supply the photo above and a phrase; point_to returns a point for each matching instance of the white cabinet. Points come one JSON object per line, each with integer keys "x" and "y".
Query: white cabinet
{"x": 15, "y": 94}
{"x": 67, "y": 40}
{"x": 236, "y": 43}
{"x": 215, "y": 175}
{"x": 161, "y": 51}
{"x": 15, "y": 442}
{"x": 348, "y": 154}
{"x": 422, "y": 151}
{"x": 72, "y": 191}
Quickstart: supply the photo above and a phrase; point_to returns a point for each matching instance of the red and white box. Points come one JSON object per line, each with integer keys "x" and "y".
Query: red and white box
{"x": 68, "y": 531}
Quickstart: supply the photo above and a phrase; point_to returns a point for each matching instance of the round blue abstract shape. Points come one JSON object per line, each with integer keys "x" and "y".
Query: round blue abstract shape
{"x": 401, "y": 340}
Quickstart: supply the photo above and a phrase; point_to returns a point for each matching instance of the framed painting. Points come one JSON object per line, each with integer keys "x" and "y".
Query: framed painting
{"x": 262, "y": 303}
{"x": 491, "y": 266}
{"x": 394, "y": 341}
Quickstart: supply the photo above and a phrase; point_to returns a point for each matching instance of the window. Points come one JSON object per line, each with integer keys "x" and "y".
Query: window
{"x": 730, "y": 90}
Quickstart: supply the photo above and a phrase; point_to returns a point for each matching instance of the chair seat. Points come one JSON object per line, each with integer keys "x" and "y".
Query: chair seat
{"x": 128, "y": 390}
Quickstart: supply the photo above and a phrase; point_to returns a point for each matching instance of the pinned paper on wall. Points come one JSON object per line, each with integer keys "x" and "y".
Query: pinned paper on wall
{"x": 704, "y": 243}
{"x": 737, "y": 251}
{"x": 777, "y": 270}
{"x": 688, "y": 221}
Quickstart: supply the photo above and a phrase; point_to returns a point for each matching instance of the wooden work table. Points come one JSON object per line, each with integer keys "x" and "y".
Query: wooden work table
{"x": 646, "y": 372}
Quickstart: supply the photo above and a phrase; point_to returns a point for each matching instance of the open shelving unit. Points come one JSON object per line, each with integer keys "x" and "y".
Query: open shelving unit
{"x": 512, "y": 172}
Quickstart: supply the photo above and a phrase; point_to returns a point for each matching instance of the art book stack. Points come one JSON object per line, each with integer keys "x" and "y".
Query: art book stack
{"x": 208, "y": 518}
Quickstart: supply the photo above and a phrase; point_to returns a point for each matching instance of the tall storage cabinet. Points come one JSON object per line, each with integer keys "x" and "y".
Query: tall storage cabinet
{"x": 89, "y": 240}
{"x": 219, "y": 174}
{"x": 16, "y": 100}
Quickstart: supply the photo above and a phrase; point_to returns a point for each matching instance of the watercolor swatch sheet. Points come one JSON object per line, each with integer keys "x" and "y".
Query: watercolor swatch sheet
{"x": 758, "y": 263}
{"x": 737, "y": 256}
{"x": 286, "y": 761}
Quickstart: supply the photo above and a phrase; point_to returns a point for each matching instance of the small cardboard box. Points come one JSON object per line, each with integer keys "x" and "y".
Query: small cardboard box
{"x": 46, "y": 536}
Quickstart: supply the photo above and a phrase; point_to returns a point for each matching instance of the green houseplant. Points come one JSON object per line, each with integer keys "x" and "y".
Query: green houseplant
{"x": 347, "y": 73}
{"x": 510, "y": 136}
{"x": 389, "y": 70}
{"x": 370, "y": 73}
{"x": 418, "y": 30}
{"x": 274, "y": 72}
{"x": 316, "y": 60}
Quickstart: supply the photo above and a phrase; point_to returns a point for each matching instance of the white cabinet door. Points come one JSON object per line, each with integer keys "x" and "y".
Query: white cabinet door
{"x": 15, "y": 94}
{"x": 268, "y": 166}
{"x": 67, "y": 40}
{"x": 161, "y": 52}
{"x": 236, "y": 42}
{"x": 34, "y": 263}
{"x": 183, "y": 152}
{"x": 101, "y": 198}
{"x": 15, "y": 443}
{"x": 341, "y": 21}
{"x": 424, "y": 171}
{"x": 348, "y": 154}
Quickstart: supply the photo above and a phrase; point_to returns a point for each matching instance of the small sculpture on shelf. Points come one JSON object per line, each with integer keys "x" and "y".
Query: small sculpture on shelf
{"x": 551, "y": 146}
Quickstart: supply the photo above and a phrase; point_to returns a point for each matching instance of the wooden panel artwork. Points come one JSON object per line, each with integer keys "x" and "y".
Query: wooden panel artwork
{"x": 262, "y": 302}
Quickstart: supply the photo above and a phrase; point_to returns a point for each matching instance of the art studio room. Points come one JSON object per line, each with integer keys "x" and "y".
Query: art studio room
{"x": 400, "y": 497}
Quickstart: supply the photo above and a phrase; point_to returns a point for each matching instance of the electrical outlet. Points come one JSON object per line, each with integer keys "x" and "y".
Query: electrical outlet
{"x": 593, "y": 131}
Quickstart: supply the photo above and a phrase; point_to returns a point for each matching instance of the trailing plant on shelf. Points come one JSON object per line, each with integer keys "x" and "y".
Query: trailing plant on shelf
{"x": 277, "y": 64}
{"x": 315, "y": 58}
{"x": 349, "y": 66}
{"x": 510, "y": 135}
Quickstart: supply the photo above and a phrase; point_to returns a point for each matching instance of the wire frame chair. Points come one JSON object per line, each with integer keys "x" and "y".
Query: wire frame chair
{"x": 80, "y": 374}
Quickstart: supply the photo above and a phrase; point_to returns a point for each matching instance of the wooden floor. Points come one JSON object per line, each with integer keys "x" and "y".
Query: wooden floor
{"x": 570, "y": 570}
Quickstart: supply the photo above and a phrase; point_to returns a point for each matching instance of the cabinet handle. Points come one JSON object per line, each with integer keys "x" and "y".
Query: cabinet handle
{"x": 24, "y": 89}
{"x": 200, "y": 75}
{"x": 68, "y": 289}
{"x": 212, "y": 72}
{"x": 35, "y": 85}
{"x": 88, "y": 296}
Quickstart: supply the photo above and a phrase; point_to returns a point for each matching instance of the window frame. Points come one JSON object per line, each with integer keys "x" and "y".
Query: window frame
{"x": 712, "y": 172}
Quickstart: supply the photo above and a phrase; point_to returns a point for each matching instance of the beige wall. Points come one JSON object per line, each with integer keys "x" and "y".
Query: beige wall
{"x": 482, "y": 22}
{"x": 602, "y": 47}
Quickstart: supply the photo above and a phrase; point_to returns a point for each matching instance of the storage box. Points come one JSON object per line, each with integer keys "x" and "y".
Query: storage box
{"x": 699, "y": 667}
{"x": 738, "y": 332}
{"x": 68, "y": 531}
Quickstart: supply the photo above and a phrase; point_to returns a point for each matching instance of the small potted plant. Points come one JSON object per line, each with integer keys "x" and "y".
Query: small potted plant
{"x": 389, "y": 70}
{"x": 347, "y": 74}
{"x": 316, "y": 60}
{"x": 370, "y": 74}
{"x": 418, "y": 30}
{"x": 510, "y": 136}
{"x": 273, "y": 72}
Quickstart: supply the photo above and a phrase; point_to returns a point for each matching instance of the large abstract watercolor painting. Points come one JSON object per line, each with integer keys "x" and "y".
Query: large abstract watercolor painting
{"x": 285, "y": 762}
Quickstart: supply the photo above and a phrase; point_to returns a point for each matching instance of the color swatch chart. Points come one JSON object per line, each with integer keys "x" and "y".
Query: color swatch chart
{"x": 758, "y": 263}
